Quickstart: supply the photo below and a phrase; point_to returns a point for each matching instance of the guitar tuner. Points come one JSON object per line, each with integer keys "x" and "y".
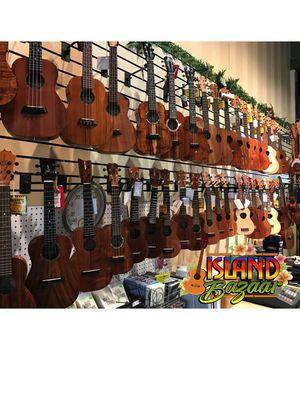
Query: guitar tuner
{"x": 8, "y": 163}
{"x": 16, "y": 163}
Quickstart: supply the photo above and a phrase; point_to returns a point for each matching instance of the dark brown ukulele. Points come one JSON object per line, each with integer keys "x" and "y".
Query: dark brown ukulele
{"x": 88, "y": 259}
{"x": 118, "y": 133}
{"x": 227, "y": 211}
{"x": 285, "y": 219}
{"x": 115, "y": 245}
{"x": 85, "y": 95}
{"x": 8, "y": 81}
{"x": 51, "y": 279}
{"x": 153, "y": 136}
{"x": 264, "y": 161}
{"x": 240, "y": 149}
{"x": 220, "y": 217}
{"x": 210, "y": 219}
{"x": 196, "y": 147}
{"x": 134, "y": 224}
{"x": 13, "y": 270}
{"x": 36, "y": 111}
{"x": 174, "y": 118}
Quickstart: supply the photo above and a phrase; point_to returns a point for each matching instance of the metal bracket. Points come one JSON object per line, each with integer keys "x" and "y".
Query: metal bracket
{"x": 66, "y": 50}
{"x": 129, "y": 75}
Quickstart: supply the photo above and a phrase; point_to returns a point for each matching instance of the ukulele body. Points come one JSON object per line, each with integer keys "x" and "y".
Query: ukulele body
{"x": 136, "y": 239}
{"x": 284, "y": 164}
{"x": 244, "y": 224}
{"x": 93, "y": 273}
{"x": 262, "y": 226}
{"x": 210, "y": 227}
{"x": 254, "y": 163}
{"x": 230, "y": 221}
{"x": 194, "y": 284}
{"x": 83, "y": 124}
{"x": 177, "y": 150}
{"x": 227, "y": 153}
{"x": 152, "y": 139}
{"x": 117, "y": 258}
{"x": 169, "y": 239}
{"x": 184, "y": 229}
{"x": 288, "y": 237}
{"x": 20, "y": 296}
{"x": 264, "y": 161}
{"x": 152, "y": 238}
{"x": 222, "y": 225}
{"x": 240, "y": 151}
{"x": 273, "y": 221}
{"x": 214, "y": 140}
{"x": 8, "y": 81}
{"x": 51, "y": 121}
{"x": 52, "y": 294}
{"x": 200, "y": 152}
{"x": 274, "y": 165}
{"x": 118, "y": 134}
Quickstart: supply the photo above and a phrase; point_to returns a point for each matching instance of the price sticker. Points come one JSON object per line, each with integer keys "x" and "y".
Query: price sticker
{"x": 274, "y": 138}
{"x": 189, "y": 193}
{"x": 59, "y": 197}
{"x": 18, "y": 204}
{"x": 186, "y": 201}
{"x": 138, "y": 189}
{"x": 265, "y": 197}
{"x": 127, "y": 198}
{"x": 95, "y": 205}
{"x": 238, "y": 203}
{"x": 176, "y": 206}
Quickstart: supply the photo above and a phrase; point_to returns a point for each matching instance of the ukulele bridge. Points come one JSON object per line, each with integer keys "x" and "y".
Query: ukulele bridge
{"x": 194, "y": 145}
{"x": 53, "y": 280}
{"x": 168, "y": 249}
{"x": 118, "y": 258}
{"x": 32, "y": 111}
{"x": 87, "y": 122}
{"x": 116, "y": 132}
{"x": 153, "y": 136}
{"x": 90, "y": 271}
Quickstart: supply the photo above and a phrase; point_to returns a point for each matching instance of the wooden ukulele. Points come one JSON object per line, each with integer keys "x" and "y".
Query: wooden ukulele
{"x": 36, "y": 111}
{"x": 272, "y": 212}
{"x": 295, "y": 136}
{"x": 284, "y": 163}
{"x": 175, "y": 119}
{"x": 285, "y": 220}
{"x": 220, "y": 215}
{"x": 13, "y": 270}
{"x": 272, "y": 154}
{"x": 194, "y": 284}
{"x": 8, "y": 81}
{"x": 51, "y": 279}
{"x": 259, "y": 214}
{"x": 196, "y": 147}
{"x": 152, "y": 229}
{"x": 134, "y": 224}
{"x": 183, "y": 221}
{"x": 153, "y": 136}
{"x": 118, "y": 133}
{"x": 210, "y": 226}
{"x": 227, "y": 212}
{"x": 264, "y": 161}
{"x": 115, "y": 246}
{"x": 252, "y": 159}
{"x": 240, "y": 150}
{"x": 210, "y": 131}
{"x": 199, "y": 239}
{"x": 254, "y": 143}
{"x": 85, "y": 96}
{"x": 88, "y": 260}
{"x": 168, "y": 236}
{"x": 224, "y": 146}
{"x": 244, "y": 223}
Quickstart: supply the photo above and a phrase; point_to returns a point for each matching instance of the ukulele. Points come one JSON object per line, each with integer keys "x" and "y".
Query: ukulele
{"x": 250, "y": 142}
{"x": 225, "y": 147}
{"x": 272, "y": 154}
{"x": 244, "y": 223}
{"x": 174, "y": 118}
{"x": 272, "y": 212}
{"x": 295, "y": 136}
{"x": 284, "y": 163}
{"x": 13, "y": 270}
{"x": 85, "y": 96}
{"x": 220, "y": 215}
{"x": 134, "y": 225}
{"x": 264, "y": 161}
{"x": 194, "y": 284}
{"x": 211, "y": 133}
{"x": 115, "y": 245}
{"x": 264, "y": 225}
{"x": 8, "y": 81}
{"x": 285, "y": 220}
{"x": 36, "y": 111}
{"x": 199, "y": 239}
{"x": 152, "y": 224}
{"x": 256, "y": 159}
{"x": 51, "y": 279}
{"x": 183, "y": 221}
{"x": 196, "y": 147}
{"x": 118, "y": 133}
{"x": 294, "y": 208}
{"x": 210, "y": 226}
{"x": 168, "y": 236}
{"x": 240, "y": 149}
{"x": 227, "y": 212}
{"x": 88, "y": 241}
{"x": 153, "y": 136}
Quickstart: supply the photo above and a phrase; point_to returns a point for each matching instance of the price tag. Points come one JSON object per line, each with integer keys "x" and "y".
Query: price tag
{"x": 127, "y": 198}
{"x": 95, "y": 205}
{"x": 138, "y": 188}
{"x": 265, "y": 197}
{"x": 18, "y": 204}
{"x": 247, "y": 203}
{"x": 274, "y": 138}
{"x": 186, "y": 201}
{"x": 176, "y": 206}
{"x": 189, "y": 193}
{"x": 103, "y": 63}
{"x": 162, "y": 277}
{"x": 239, "y": 205}
{"x": 255, "y": 123}
{"x": 59, "y": 197}
{"x": 275, "y": 196}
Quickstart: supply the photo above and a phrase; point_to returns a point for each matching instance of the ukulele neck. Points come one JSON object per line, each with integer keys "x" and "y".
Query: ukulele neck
{"x": 115, "y": 212}
{"x": 49, "y": 217}
{"x": 237, "y": 123}
{"x": 88, "y": 212}
{"x": 5, "y": 233}
{"x": 245, "y": 125}
{"x": 205, "y": 111}
{"x": 182, "y": 195}
{"x": 172, "y": 96}
{"x": 151, "y": 86}
{"x": 216, "y": 113}
{"x": 226, "y": 115}
{"x": 134, "y": 207}
{"x": 87, "y": 66}
{"x": 113, "y": 76}
{"x": 167, "y": 205}
{"x": 153, "y": 206}
{"x": 207, "y": 196}
{"x": 35, "y": 58}
{"x": 192, "y": 103}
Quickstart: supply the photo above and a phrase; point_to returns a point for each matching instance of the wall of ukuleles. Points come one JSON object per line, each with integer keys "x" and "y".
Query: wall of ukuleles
{"x": 202, "y": 146}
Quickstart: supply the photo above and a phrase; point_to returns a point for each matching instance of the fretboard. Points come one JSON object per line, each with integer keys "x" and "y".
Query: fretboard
{"x": 182, "y": 194}
{"x": 205, "y": 110}
{"x": 261, "y": 198}
{"x": 35, "y": 58}
{"x": 245, "y": 124}
{"x": 113, "y": 76}
{"x": 251, "y": 130}
{"x": 172, "y": 96}
{"x": 49, "y": 216}
{"x": 216, "y": 113}
{"x": 207, "y": 196}
{"x": 196, "y": 212}
{"x": 254, "y": 202}
{"x": 192, "y": 103}
{"x": 217, "y": 201}
{"x": 258, "y": 132}
{"x": 115, "y": 211}
{"x": 226, "y": 115}
{"x": 134, "y": 207}
{"x": 88, "y": 211}
{"x": 87, "y": 66}
{"x": 226, "y": 201}
{"x": 151, "y": 86}
{"x": 167, "y": 204}
{"x": 153, "y": 206}
{"x": 5, "y": 233}
{"x": 237, "y": 122}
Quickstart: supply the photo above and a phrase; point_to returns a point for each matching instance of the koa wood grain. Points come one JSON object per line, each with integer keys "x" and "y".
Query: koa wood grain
{"x": 8, "y": 81}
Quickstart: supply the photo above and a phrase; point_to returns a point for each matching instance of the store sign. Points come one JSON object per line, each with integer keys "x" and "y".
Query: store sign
{"x": 234, "y": 276}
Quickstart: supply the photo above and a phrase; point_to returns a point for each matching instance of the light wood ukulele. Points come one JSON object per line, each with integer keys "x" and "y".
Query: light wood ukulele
{"x": 195, "y": 282}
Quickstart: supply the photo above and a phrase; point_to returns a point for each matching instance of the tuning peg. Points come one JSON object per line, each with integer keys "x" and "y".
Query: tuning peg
{"x": 8, "y": 163}
{"x": 16, "y": 163}
{"x": 12, "y": 177}
{"x": 119, "y": 169}
{"x": 8, "y": 172}
{"x": 37, "y": 165}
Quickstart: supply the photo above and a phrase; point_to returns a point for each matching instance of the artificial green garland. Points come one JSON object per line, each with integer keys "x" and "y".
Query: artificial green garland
{"x": 207, "y": 70}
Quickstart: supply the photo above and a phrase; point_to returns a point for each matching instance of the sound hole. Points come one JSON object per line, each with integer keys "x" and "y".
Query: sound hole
{"x": 50, "y": 253}
{"x": 228, "y": 217}
{"x": 172, "y": 124}
{"x": 152, "y": 117}
{"x": 229, "y": 139}
{"x": 7, "y": 284}
{"x": 35, "y": 80}
{"x": 167, "y": 230}
{"x": 89, "y": 244}
{"x": 207, "y": 134}
{"x": 87, "y": 96}
{"x": 196, "y": 228}
{"x": 209, "y": 223}
{"x": 134, "y": 233}
{"x": 281, "y": 156}
{"x": 240, "y": 142}
{"x": 260, "y": 149}
{"x": 117, "y": 241}
{"x": 255, "y": 148}
{"x": 248, "y": 145}
{"x": 193, "y": 128}
{"x": 269, "y": 216}
{"x": 263, "y": 218}
{"x": 243, "y": 215}
{"x": 113, "y": 109}
{"x": 197, "y": 276}
{"x": 183, "y": 223}
{"x": 219, "y": 218}
{"x": 218, "y": 138}
{"x": 267, "y": 152}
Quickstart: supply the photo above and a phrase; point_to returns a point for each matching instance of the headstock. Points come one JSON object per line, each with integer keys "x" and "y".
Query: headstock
{"x": 236, "y": 102}
{"x": 181, "y": 179}
{"x": 214, "y": 90}
{"x": 239, "y": 181}
{"x": 170, "y": 65}
{"x": 113, "y": 174}
{"x": 260, "y": 183}
{"x": 7, "y": 164}
{"x": 155, "y": 177}
{"x": 223, "y": 181}
{"x": 206, "y": 178}
{"x": 194, "y": 178}
{"x": 148, "y": 51}
{"x": 134, "y": 173}
{"x": 270, "y": 112}
{"x": 190, "y": 74}
{"x": 244, "y": 107}
{"x": 202, "y": 83}
{"x": 165, "y": 176}
{"x": 246, "y": 181}
{"x": 253, "y": 183}
{"x": 113, "y": 44}
{"x": 85, "y": 170}
{"x": 47, "y": 169}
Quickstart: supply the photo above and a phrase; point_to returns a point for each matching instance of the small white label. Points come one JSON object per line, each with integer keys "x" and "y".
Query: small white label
{"x": 247, "y": 203}
{"x": 186, "y": 201}
{"x": 103, "y": 63}
{"x": 189, "y": 193}
{"x": 275, "y": 196}
{"x": 274, "y": 138}
{"x": 265, "y": 197}
{"x": 239, "y": 205}
{"x": 176, "y": 206}
{"x": 255, "y": 123}
{"x": 95, "y": 205}
{"x": 138, "y": 188}
{"x": 127, "y": 197}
